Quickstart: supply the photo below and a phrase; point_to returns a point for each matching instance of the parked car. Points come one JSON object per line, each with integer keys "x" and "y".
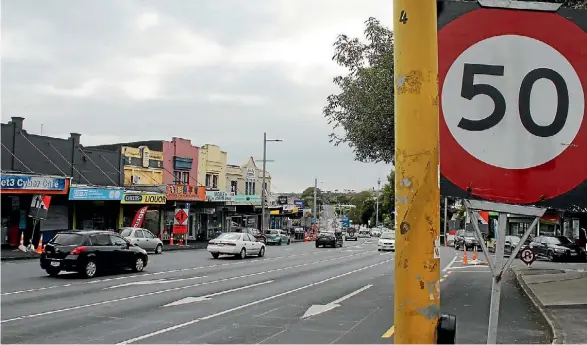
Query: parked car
{"x": 510, "y": 244}
{"x": 142, "y": 238}
{"x": 329, "y": 238}
{"x": 557, "y": 248}
{"x": 465, "y": 239}
{"x": 254, "y": 232}
{"x": 376, "y": 232}
{"x": 278, "y": 237}
{"x": 237, "y": 244}
{"x": 91, "y": 251}
{"x": 364, "y": 233}
{"x": 386, "y": 241}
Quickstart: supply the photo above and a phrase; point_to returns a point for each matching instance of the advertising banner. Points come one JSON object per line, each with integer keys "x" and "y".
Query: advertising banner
{"x": 144, "y": 198}
{"x": 39, "y": 206}
{"x": 137, "y": 222}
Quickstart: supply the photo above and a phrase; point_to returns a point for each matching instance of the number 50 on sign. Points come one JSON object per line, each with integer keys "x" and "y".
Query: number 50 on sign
{"x": 512, "y": 106}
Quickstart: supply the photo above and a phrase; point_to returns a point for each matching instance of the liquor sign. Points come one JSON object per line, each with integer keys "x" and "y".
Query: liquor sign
{"x": 144, "y": 198}
{"x": 180, "y": 221}
{"x": 513, "y": 95}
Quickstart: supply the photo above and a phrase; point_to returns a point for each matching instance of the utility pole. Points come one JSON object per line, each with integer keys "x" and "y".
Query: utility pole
{"x": 445, "y": 221}
{"x": 417, "y": 201}
{"x": 315, "y": 195}
{"x": 263, "y": 192}
{"x": 263, "y": 187}
{"x": 377, "y": 203}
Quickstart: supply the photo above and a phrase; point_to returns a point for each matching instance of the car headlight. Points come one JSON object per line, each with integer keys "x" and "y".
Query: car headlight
{"x": 560, "y": 250}
{"x": 380, "y": 243}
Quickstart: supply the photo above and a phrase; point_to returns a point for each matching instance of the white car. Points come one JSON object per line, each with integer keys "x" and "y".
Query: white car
{"x": 386, "y": 241}
{"x": 236, "y": 243}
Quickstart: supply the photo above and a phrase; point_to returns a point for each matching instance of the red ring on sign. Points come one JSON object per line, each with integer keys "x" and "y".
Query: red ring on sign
{"x": 522, "y": 186}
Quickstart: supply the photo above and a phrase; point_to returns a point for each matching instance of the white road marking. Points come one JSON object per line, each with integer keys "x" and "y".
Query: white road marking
{"x": 468, "y": 267}
{"x": 244, "y": 306}
{"x": 450, "y": 264}
{"x": 208, "y": 297}
{"x": 322, "y": 308}
{"x": 150, "y": 282}
{"x": 254, "y": 261}
{"x": 168, "y": 290}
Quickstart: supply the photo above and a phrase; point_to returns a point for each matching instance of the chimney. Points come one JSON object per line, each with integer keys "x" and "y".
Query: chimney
{"x": 17, "y": 121}
{"x": 75, "y": 137}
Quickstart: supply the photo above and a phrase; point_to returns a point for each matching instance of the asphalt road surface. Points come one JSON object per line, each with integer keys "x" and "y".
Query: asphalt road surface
{"x": 346, "y": 295}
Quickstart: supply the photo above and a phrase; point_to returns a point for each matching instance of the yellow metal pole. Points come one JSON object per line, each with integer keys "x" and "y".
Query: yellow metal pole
{"x": 417, "y": 202}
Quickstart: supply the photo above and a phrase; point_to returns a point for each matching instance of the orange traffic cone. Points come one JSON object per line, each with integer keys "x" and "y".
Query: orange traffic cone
{"x": 171, "y": 239}
{"x": 475, "y": 253}
{"x": 181, "y": 241}
{"x": 40, "y": 246}
{"x": 465, "y": 260}
{"x": 21, "y": 239}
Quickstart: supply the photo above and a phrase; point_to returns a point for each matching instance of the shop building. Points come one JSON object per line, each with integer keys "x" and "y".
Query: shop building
{"x": 152, "y": 204}
{"x": 48, "y": 161}
{"x": 192, "y": 198}
{"x": 212, "y": 167}
{"x": 96, "y": 207}
{"x": 17, "y": 191}
{"x": 245, "y": 182}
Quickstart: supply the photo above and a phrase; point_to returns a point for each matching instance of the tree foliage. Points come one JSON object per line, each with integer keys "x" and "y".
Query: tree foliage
{"x": 363, "y": 109}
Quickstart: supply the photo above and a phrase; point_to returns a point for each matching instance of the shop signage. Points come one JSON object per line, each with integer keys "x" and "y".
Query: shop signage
{"x": 282, "y": 200}
{"x": 144, "y": 198}
{"x": 186, "y": 192}
{"x": 95, "y": 194}
{"x": 299, "y": 203}
{"x": 216, "y": 196}
{"x": 290, "y": 209}
{"x": 31, "y": 182}
{"x": 241, "y": 198}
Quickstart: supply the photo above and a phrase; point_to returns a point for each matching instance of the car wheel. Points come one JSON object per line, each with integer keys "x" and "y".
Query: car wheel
{"x": 288, "y": 242}
{"x": 279, "y": 243}
{"x": 53, "y": 272}
{"x": 90, "y": 269}
{"x": 317, "y": 246}
{"x": 378, "y": 250}
{"x": 159, "y": 249}
{"x": 139, "y": 264}
{"x": 262, "y": 252}
{"x": 550, "y": 256}
{"x": 243, "y": 253}
{"x": 215, "y": 255}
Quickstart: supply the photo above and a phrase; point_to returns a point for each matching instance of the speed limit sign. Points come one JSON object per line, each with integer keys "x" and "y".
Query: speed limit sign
{"x": 527, "y": 256}
{"x": 513, "y": 95}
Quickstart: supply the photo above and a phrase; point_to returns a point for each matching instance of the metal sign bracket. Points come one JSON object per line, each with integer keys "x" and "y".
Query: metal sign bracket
{"x": 497, "y": 267}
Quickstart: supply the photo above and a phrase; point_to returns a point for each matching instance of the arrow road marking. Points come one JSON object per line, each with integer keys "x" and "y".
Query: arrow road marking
{"x": 248, "y": 305}
{"x": 322, "y": 308}
{"x": 150, "y": 282}
{"x": 207, "y": 297}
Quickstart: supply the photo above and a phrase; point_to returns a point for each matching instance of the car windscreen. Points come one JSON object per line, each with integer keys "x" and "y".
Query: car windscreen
{"x": 68, "y": 239}
{"x": 469, "y": 234}
{"x": 559, "y": 240}
{"x": 274, "y": 232}
{"x": 126, "y": 232}
{"x": 388, "y": 235}
{"x": 229, "y": 236}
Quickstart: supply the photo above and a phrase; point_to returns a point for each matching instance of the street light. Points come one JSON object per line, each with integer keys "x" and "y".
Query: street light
{"x": 377, "y": 204}
{"x": 263, "y": 188}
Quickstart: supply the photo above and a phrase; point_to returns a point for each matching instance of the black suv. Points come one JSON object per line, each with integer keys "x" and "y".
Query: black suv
{"x": 329, "y": 238}
{"x": 557, "y": 248}
{"x": 91, "y": 251}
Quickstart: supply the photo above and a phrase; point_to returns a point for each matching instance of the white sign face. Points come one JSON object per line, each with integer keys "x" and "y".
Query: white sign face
{"x": 531, "y": 97}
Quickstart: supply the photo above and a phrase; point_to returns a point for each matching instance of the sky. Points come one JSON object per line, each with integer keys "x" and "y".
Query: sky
{"x": 213, "y": 71}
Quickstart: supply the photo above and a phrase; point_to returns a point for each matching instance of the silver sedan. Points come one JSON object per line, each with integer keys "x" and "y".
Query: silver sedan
{"x": 142, "y": 238}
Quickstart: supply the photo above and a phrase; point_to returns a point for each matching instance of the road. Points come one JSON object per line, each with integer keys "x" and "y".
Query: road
{"x": 346, "y": 295}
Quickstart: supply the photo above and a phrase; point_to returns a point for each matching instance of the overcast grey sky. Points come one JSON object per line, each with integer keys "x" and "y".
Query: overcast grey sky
{"x": 213, "y": 71}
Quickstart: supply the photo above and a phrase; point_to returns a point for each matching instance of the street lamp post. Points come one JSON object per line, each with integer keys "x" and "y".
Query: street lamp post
{"x": 263, "y": 187}
{"x": 377, "y": 204}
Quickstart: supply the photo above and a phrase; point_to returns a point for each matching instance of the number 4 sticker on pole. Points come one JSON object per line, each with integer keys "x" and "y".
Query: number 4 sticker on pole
{"x": 513, "y": 126}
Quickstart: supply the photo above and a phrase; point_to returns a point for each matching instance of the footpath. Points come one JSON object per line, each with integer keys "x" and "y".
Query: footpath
{"x": 561, "y": 296}
{"x": 15, "y": 254}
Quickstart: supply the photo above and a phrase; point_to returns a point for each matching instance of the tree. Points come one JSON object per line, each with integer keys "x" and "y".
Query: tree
{"x": 364, "y": 106}
{"x": 308, "y": 197}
